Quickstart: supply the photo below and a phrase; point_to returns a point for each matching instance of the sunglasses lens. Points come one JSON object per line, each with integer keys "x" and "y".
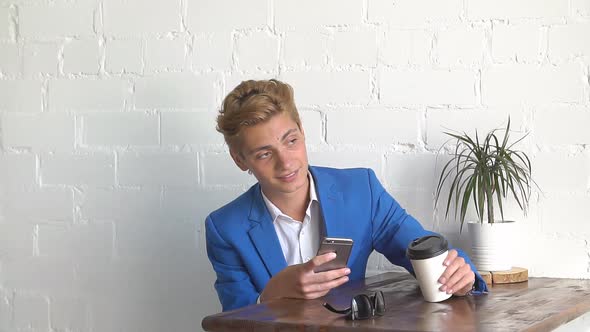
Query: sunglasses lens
{"x": 379, "y": 303}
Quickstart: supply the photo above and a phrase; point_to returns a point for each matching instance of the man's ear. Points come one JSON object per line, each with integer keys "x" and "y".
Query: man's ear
{"x": 238, "y": 159}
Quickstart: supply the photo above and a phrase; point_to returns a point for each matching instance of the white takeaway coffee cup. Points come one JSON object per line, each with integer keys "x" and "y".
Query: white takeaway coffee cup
{"x": 427, "y": 255}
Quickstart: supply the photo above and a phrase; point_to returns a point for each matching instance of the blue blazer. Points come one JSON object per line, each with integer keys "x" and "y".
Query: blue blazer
{"x": 245, "y": 251}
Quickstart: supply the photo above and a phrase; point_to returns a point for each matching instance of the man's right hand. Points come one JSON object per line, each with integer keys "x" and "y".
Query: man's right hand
{"x": 301, "y": 282}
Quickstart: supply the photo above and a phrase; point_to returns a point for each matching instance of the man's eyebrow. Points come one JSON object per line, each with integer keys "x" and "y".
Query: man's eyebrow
{"x": 264, "y": 147}
{"x": 288, "y": 133}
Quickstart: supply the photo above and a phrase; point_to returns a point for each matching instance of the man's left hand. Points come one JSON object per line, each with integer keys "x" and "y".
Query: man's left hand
{"x": 458, "y": 277}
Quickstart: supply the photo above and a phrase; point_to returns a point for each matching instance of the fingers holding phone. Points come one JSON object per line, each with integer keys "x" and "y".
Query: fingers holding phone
{"x": 340, "y": 246}
{"x": 315, "y": 278}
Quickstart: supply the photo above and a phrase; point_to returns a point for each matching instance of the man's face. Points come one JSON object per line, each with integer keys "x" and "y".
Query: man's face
{"x": 275, "y": 152}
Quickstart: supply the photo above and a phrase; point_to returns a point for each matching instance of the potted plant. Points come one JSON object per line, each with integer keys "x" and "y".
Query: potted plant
{"x": 484, "y": 173}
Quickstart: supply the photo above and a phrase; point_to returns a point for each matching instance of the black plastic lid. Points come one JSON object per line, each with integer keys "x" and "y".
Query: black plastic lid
{"x": 427, "y": 247}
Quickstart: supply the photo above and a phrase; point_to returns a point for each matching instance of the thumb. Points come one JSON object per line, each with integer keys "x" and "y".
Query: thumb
{"x": 320, "y": 259}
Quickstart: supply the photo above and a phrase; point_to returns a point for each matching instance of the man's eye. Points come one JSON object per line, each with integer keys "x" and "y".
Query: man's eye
{"x": 263, "y": 155}
{"x": 293, "y": 141}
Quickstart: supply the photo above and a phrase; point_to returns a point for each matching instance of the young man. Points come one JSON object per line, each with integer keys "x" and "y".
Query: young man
{"x": 262, "y": 245}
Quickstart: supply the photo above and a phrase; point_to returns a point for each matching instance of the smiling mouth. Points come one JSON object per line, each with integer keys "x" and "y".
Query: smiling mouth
{"x": 288, "y": 176}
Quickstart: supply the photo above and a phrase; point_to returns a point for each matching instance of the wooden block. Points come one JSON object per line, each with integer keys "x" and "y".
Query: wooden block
{"x": 486, "y": 276}
{"x": 516, "y": 274}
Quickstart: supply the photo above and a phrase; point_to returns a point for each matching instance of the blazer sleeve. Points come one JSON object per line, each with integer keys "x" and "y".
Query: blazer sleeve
{"x": 233, "y": 285}
{"x": 394, "y": 229}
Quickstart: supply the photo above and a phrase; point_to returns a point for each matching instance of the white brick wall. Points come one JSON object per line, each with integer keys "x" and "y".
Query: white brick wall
{"x": 5, "y": 23}
{"x": 40, "y": 59}
{"x": 110, "y": 161}
{"x": 81, "y": 57}
{"x": 54, "y": 21}
{"x": 21, "y": 96}
{"x": 10, "y": 60}
{"x": 520, "y": 43}
{"x": 406, "y": 87}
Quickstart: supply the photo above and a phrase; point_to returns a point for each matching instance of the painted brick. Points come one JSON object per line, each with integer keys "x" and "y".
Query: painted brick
{"x": 554, "y": 125}
{"x": 20, "y": 96}
{"x": 347, "y": 159}
{"x": 5, "y": 23}
{"x": 17, "y": 170}
{"x": 220, "y": 169}
{"x": 120, "y": 129}
{"x": 40, "y": 59}
{"x": 573, "y": 210}
{"x": 257, "y": 51}
{"x": 180, "y": 128}
{"x": 155, "y": 240}
{"x": 204, "y": 16}
{"x": 363, "y": 53}
{"x": 351, "y": 127}
{"x": 414, "y": 13}
{"x": 119, "y": 204}
{"x": 39, "y": 131}
{"x": 581, "y": 7}
{"x": 16, "y": 241}
{"x": 195, "y": 204}
{"x": 76, "y": 242}
{"x": 178, "y": 169}
{"x": 47, "y": 21}
{"x": 406, "y": 87}
{"x": 31, "y": 311}
{"x": 516, "y": 42}
{"x": 337, "y": 87}
{"x": 25, "y": 274}
{"x": 460, "y": 46}
{"x": 507, "y": 9}
{"x": 44, "y": 204}
{"x": 174, "y": 91}
{"x": 411, "y": 171}
{"x": 468, "y": 121}
{"x": 312, "y": 126}
{"x": 94, "y": 170}
{"x": 157, "y": 18}
{"x": 69, "y": 313}
{"x": 10, "y": 60}
{"x": 123, "y": 55}
{"x": 544, "y": 249}
{"x": 6, "y": 310}
{"x": 81, "y": 57}
{"x": 317, "y": 13}
{"x": 403, "y": 47}
{"x": 515, "y": 84}
{"x": 573, "y": 170}
{"x": 566, "y": 41}
{"x": 165, "y": 54}
{"x": 305, "y": 48}
{"x": 212, "y": 51}
{"x": 84, "y": 94}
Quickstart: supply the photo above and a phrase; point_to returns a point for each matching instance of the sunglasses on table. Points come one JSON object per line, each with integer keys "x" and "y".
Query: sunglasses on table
{"x": 362, "y": 306}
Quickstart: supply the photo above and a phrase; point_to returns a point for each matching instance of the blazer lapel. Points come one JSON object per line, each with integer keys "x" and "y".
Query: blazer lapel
{"x": 331, "y": 201}
{"x": 264, "y": 236}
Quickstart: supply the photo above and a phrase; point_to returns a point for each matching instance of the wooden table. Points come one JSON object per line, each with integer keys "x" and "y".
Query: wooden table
{"x": 541, "y": 304}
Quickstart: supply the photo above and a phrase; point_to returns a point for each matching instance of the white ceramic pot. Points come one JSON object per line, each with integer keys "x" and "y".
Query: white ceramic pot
{"x": 491, "y": 245}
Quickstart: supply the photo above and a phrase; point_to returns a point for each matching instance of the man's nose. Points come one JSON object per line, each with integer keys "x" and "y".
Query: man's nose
{"x": 283, "y": 159}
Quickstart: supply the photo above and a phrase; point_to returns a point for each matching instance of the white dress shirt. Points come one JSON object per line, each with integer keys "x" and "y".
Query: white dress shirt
{"x": 300, "y": 240}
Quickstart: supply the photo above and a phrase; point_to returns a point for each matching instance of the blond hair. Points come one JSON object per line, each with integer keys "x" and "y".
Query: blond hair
{"x": 253, "y": 102}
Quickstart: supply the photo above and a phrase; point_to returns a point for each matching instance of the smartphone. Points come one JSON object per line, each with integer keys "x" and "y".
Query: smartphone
{"x": 342, "y": 248}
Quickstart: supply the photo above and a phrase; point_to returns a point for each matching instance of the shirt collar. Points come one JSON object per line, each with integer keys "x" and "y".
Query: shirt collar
{"x": 275, "y": 212}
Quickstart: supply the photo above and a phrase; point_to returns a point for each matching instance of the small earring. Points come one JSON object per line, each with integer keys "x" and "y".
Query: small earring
{"x": 250, "y": 172}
